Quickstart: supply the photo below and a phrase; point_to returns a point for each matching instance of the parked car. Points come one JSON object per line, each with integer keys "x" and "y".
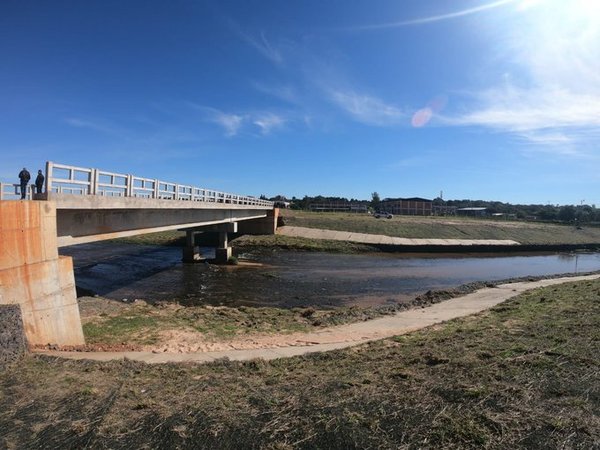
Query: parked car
{"x": 380, "y": 214}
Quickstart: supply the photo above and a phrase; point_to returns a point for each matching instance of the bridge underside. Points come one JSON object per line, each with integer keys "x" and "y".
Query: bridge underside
{"x": 89, "y": 219}
{"x": 80, "y": 226}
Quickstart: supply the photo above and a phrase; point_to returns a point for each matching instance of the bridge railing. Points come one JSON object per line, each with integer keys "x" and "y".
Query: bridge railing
{"x": 12, "y": 191}
{"x": 64, "y": 179}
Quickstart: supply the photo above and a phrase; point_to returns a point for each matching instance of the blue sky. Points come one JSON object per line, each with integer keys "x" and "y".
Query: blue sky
{"x": 494, "y": 100}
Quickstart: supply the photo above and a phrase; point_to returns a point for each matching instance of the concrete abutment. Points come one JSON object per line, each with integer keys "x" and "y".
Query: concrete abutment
{"x": 35, "y": 277}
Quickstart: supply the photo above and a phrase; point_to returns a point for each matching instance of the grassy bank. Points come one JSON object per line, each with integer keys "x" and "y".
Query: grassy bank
{"x": 526, "y": 233}
{"x": 525, "y": 374}
{"x": 445, "y": 228}
{"x": 109, "y": 324}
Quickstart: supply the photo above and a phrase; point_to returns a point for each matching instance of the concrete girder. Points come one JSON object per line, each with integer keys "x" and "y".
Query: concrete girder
{"x": 78, "y": 226}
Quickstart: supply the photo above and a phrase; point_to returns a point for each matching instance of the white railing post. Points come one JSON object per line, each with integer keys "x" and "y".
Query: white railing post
{"x": 155, "y": 193}
{"x": 129, "y": 189}
{"x": 49, "y": 167}
{"x": 93, "y": 182}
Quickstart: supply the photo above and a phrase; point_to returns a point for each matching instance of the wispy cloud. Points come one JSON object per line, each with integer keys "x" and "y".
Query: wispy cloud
{"x": 259, "y": 42}
{"x": 230, "y": 122}
{"x": 525, "y": 110}
{"x": 367, "y": 109}
{"x": 437, "y": 17}
{"x": 268, "y": 122}
{"x": 90, "y": 124}
{"x": 234, "y": 123}
{"x": 286, "y": 93}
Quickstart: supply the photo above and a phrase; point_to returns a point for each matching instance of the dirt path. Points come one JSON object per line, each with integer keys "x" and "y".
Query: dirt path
{"x": 380, "y": 239}
{"x": 278, "y": 346}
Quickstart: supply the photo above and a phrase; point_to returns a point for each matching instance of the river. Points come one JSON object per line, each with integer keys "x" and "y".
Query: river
{"x": 290, "y": 278}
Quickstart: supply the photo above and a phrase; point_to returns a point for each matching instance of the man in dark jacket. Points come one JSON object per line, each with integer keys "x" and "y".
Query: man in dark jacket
{"x": 24, "y": 176}
{"x": 39, "y": 182}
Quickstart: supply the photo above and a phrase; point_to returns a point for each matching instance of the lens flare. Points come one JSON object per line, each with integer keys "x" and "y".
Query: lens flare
{"x": 424, "y": 115}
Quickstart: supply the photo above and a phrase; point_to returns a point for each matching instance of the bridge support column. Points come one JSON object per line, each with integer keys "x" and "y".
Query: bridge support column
{"x": 223, "y": 252}
{"x": 191, "y": 252}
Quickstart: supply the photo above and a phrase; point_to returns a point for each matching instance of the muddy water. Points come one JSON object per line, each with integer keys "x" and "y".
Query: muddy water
{"x": 288, "y": 278}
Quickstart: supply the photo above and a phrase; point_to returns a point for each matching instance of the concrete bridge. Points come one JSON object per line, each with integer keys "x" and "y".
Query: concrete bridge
{"x": 82, "y": 205}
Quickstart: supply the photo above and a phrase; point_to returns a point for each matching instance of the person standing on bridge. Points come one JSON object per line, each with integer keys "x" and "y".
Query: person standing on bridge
{"x": 39, "y": 182}
{"x": 24, "y": 176}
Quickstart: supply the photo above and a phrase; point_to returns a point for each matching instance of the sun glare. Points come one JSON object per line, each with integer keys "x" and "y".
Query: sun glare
{"x": 579, "y": 9}
{"x": 588, "y": 7}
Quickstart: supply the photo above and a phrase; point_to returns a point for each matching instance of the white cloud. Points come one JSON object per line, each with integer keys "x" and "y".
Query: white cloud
{"x": 260, "y": 43}
{"x": 438, "y": 17}
{"x": 524, "y": 110}
{"x": 231, "y": 123}
{"x": 367, "y": 109}
{"x": 283, "y": 92}
{"x": 268, "y": 122}
{"x": 234, "y": 123}
{"x": 93, "y": 125}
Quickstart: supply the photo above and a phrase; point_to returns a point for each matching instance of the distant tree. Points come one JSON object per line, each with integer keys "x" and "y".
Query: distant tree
{"x": 375, "y": 201}
{"x": 567, "y": 213}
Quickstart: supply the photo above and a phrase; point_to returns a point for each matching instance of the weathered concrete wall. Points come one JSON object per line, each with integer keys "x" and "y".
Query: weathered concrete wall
{"x": 13, "y": 344}
{"x": 266, "y": 225}
{"x": 33, "y": 276}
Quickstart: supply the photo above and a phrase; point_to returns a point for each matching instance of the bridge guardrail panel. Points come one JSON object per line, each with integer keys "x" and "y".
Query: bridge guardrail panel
{"x": 75, "y": 180}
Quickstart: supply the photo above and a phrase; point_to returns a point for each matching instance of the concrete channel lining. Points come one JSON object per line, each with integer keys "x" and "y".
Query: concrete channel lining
{"x": 380, "y": 239}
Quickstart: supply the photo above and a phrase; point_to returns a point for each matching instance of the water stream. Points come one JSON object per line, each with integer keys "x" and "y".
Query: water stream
{"x": 290, "y": 278}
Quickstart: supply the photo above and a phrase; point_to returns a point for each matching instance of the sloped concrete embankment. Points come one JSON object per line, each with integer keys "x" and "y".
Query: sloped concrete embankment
{"x": 410, "y": 245}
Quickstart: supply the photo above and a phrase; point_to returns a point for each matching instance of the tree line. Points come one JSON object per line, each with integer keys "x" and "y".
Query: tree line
{"x": 550, "y": 213}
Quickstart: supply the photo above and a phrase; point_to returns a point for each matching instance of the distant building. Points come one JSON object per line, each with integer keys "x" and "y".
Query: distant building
{"x": 339, "y": 206}
{"x": 414, "y": 206}
{"x": 473, "y": 212}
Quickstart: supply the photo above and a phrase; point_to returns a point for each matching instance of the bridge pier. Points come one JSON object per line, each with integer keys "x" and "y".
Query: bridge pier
{"x": 223, "y": 251}
{"x": 191, "y": 252}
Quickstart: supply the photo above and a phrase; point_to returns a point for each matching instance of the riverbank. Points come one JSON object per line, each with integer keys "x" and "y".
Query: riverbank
{"x": 437, "y": 227}
{"x": 114, "y": 326}
{"x": 531, "y": 236}
{"x": 523, "y": 374}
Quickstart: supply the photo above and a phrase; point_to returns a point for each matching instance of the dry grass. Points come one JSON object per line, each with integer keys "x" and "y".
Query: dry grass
{"x": 525, "y": 374}
{"x": 445, "y": 228}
